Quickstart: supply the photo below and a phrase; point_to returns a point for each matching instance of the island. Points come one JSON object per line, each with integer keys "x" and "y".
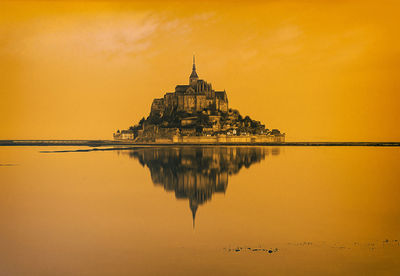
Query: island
{"x": 196, "y": 113}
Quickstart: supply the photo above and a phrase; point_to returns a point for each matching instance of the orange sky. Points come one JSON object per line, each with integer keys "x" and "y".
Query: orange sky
{"x": 317, "y": 70}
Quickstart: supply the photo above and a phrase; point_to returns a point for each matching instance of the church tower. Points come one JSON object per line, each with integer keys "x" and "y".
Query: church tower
{"x": 193, "y": 76}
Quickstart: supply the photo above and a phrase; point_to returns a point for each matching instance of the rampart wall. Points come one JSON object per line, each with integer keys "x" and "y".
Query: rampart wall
{"x": 225, "y": 139}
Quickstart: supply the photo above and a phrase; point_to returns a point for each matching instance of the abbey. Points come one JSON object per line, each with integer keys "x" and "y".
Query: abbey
{"x": 196, "y": 96}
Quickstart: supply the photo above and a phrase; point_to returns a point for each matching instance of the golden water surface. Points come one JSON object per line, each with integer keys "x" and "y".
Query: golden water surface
{"x": 200, "y": 211}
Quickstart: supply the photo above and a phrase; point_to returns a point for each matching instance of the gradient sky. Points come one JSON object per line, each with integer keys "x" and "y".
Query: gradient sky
{"x": 317, "y": 70}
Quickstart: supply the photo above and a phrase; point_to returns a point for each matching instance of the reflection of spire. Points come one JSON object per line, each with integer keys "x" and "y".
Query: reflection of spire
{"x": 193, "y": 207}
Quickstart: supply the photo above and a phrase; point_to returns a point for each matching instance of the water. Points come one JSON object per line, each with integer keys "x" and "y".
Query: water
{"x": 200, "y": 211}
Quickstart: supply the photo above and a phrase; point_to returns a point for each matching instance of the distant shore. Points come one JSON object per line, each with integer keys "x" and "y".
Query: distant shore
{"x": 99, "y": 143}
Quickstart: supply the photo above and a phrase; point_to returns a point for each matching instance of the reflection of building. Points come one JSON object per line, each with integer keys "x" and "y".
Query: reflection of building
{"x": 196, "y": 173}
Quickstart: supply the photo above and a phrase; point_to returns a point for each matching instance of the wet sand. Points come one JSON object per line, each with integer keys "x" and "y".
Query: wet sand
{"x": 97, "y": 143}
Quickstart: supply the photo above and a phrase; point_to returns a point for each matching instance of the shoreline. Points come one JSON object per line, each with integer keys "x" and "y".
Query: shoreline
{"x": 99, "y": 143}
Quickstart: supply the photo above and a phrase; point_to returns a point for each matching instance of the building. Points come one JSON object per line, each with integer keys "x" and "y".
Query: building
{"x": 195, "y": 96}
{"x": 124, "y": 135}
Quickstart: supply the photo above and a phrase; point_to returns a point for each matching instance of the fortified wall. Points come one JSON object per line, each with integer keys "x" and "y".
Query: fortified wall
{"x": 221, "y": 139}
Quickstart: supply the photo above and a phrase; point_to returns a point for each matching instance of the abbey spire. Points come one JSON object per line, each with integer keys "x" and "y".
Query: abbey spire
{"x": 193, "y": 76}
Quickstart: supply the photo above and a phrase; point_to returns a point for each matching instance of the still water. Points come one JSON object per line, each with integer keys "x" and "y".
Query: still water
{"x": 200, "y": 211}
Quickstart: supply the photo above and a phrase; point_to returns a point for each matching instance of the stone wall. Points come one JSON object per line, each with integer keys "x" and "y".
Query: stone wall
{"x": 228, "y": 139}
{"x": 170, "y": 100}
{"x": 189, "y": 103}
{"x": 157, "y": 107}
{"x": 163, "y": 141}
{"x": 151, "y": 132}
{"x": 201, "y": 102}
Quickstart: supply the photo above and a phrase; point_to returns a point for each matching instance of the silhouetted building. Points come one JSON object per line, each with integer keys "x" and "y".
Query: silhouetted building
{"x": 195, "y": 96}
{"x": 197, "y": 114}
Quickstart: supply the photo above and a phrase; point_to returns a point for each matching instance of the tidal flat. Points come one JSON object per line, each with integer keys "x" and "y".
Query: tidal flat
{"x": 68, "y": 210}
